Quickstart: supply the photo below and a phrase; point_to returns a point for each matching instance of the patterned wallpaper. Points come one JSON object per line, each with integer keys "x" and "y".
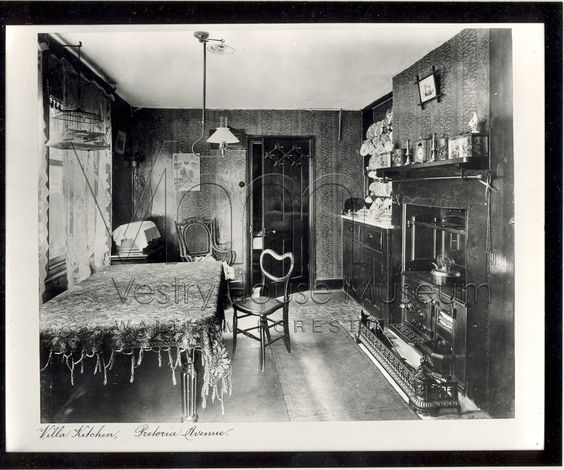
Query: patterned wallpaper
{"x": 337, "y": 168}
{"x": 462, "y": 65}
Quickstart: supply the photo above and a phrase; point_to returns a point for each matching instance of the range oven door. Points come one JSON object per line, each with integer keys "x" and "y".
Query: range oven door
{"x": 450, "y": 327}
{"x": 419, "y": 315}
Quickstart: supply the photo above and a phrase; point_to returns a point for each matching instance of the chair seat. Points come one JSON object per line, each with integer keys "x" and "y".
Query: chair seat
{"x": 258, "y": 305}
{"x": 263, "y": 306}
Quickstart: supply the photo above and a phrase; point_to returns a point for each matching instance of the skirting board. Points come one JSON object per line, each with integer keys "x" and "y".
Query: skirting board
{"x": 331, "y": 284}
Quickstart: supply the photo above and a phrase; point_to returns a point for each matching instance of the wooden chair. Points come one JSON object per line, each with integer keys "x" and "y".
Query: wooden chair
{"x": 263, "y": 306}
{"x": 197, "y": 237}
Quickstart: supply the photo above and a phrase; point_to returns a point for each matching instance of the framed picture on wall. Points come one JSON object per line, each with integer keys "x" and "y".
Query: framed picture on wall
{"x": 186, "y": 167}
{"x": 428, "y": 87}
{"x": 120, "y": 143}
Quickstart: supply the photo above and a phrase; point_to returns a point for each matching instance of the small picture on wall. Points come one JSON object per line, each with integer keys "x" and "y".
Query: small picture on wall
{"x": 427, "y": 88}
{"x": 186, "y": 167}
{"x": 120, "y": 143}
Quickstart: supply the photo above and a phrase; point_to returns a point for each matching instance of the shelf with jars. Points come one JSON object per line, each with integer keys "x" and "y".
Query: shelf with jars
{"x": 464, "y": 152}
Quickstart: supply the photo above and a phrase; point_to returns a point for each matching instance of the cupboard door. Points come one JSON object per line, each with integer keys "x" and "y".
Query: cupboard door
{"x": 376, "y": 294}
{"x": 348, "y": 228}
{"x": 358, "y": 271}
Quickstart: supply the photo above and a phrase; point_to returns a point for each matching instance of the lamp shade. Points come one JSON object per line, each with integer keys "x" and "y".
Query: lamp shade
{"x": 223, "y": 135}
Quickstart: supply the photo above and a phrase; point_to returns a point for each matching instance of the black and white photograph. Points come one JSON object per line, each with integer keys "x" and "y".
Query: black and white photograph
{"x": 240, "y": 231}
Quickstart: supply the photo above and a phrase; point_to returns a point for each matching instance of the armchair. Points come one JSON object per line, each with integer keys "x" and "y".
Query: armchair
{"x": 197, "y": 237}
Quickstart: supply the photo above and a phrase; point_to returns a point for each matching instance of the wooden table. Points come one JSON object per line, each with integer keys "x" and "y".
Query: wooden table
{"x": 174, "y": 309}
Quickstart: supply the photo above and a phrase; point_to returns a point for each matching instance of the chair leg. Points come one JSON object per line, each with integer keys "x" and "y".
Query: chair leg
{"x": 234, "y": 333}
{"x": 286, "y": 328}
{"x": 267, "y": 330}
{"x": 262, "y": 343}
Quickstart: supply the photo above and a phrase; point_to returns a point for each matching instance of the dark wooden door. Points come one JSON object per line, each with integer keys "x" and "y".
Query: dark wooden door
{"x": 280, "y": 209}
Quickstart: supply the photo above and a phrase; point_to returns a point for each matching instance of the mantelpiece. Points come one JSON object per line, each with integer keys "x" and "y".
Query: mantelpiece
{"x": 450, "y": 167}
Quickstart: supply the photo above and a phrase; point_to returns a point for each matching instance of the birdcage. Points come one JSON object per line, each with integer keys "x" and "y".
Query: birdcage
{"x": 78, "y": 129}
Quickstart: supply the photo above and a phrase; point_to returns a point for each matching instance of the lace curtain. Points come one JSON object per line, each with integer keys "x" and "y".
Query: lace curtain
{"x": 86, "y": 175}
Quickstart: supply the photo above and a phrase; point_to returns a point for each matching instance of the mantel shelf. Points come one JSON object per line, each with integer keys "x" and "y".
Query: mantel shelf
{"x": 470, "y": 163}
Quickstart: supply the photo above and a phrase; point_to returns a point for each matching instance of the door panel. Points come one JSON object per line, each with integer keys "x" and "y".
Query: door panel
{"x": 281, "y": 175}
{"x": 256, "y": 151}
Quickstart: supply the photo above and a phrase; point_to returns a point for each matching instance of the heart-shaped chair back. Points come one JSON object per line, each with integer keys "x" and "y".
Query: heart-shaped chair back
{"x": 286, "y": 277}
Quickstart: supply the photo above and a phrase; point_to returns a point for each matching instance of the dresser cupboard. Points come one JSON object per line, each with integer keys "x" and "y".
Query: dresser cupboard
{"x": 369, "y": 274}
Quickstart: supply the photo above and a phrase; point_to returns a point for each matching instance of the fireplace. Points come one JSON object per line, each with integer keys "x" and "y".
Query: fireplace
{"x": 433, "y": 308}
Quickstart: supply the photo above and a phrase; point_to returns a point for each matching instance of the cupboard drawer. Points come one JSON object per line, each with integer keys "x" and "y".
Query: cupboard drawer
{"x": 374, "y": 238}
{"x": 353, "y": 230}
{"x": 348, "y": 228}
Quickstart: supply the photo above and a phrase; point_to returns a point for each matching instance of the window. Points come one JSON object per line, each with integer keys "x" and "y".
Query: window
{"x": 56, "y": 208}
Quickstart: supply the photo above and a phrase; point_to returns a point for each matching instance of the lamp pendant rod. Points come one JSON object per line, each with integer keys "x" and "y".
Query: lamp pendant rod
{"x": 203, "y": 120}
{"x": 204, "y": 91}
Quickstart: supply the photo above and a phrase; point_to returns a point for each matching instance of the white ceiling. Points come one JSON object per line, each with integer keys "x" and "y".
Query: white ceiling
{"x": 293, "y": 67}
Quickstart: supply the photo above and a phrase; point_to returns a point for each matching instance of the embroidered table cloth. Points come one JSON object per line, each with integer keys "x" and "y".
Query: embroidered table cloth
{"x": 167, "y": 308}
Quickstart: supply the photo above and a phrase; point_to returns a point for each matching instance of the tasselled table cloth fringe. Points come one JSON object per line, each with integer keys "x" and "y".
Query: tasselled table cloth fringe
{"x": 166, "y": 308}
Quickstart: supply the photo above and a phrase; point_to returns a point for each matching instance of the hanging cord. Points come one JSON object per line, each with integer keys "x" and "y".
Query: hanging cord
{"x": 203, "y": 121}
